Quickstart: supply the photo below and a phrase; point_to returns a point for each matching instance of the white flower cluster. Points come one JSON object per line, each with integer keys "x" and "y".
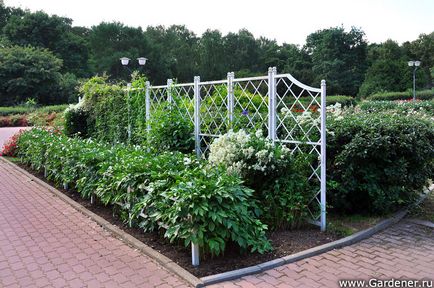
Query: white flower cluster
{"x": 227, "y": 147}
{"x": 335, "y": 111}
{"x": 235, "y": 151}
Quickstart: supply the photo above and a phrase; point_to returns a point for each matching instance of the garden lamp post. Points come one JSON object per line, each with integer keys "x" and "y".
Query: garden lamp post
{"x": 414, "y": 64}
{"x": 125, "y": 61}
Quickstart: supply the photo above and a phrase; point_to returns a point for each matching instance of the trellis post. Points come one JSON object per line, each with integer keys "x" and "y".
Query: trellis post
{"x": 323, "y": 155}
{"x": 272, "y": 72}
{"x": 230, "y": 88}
{"x": 129, "y": 112}
{"x": 197, "y": 115}
{"x": 148, "y": 106}
{"x": 195, "y": 246}
{"x": 169, "y": 90}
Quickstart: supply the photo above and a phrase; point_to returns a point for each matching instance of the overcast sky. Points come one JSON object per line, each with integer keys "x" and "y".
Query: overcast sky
{"x": 286, "y": 21}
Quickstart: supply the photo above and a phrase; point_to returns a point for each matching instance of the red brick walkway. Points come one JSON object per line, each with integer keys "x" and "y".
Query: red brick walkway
{"x": 403, "y": 251}
{"x": 44, "y": 242}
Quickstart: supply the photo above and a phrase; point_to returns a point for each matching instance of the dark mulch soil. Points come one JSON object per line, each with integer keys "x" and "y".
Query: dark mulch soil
{"x": 284, "y": 242}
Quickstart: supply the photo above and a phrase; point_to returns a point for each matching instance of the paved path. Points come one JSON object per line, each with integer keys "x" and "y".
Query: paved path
{"x": 405, "y": 250}
{"x": 7, "y": 132}
{"x": 44, "y": 242}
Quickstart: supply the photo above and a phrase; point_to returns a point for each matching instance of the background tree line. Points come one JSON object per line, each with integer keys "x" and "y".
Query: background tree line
{"x": 43, "y": 57}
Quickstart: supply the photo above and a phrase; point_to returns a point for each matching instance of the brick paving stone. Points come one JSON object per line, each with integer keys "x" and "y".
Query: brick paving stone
{"x": 44, "y": 242}
{"x": 405, "y": 250}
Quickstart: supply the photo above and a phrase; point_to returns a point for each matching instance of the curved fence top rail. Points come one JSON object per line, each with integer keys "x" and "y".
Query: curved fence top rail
{"x": 298, "y": 83}
{"x": 223, "y": 81}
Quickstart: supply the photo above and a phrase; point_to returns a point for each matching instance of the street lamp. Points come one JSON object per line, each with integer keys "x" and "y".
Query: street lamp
{"x": 125, "y": 61}
{"x": 414, "y": 64}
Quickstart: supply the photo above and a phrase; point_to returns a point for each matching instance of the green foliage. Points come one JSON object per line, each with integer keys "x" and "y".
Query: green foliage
{"x": 171, "y": 131}
{"x": 345, "y": 101}
{"x": 407, "y": 95}
{"x": 54, "y": 33}
{"x": 39, "y": 75}
{"x": 210, "y": 209}
{"x": 169, "y": 192}
{"x": 388, "y": 70}
{"x": 9, "y": 110}
{"x": 339, "y": 57}
{"x": 279, "y": 179}
{"x": 378, "y": 161}
{"x": 407, "y": 107}
{"x": 75, "y": 121}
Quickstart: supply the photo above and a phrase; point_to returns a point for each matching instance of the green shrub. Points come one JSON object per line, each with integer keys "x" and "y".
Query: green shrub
{"x": 280, "y": 179}
{"x": 208, "y": 207}
{"x": 10, "y": 110}
{"x": 169, "y": 192}
{"x": 5, "y": 111}
{"x": 378, "y": 162}
{"x": 407, "y": 95}
{"x": 406, "y": 108}
{"x": 344, "y": 100}
{"x": 170, "y": 130}
{"x": 75, "y": 121}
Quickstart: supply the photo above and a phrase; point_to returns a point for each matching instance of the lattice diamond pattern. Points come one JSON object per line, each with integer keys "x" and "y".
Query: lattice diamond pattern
{"x": 298, "y": 119}
{"x": 250, "y": 105}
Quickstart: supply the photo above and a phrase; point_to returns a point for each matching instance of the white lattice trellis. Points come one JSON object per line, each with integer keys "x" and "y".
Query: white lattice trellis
{"x": 291, "y": 113}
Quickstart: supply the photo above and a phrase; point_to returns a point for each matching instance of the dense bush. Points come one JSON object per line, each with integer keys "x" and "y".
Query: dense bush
{"x": 111, "y": 114}
{"x": 343, "y": 100}
{"x": 407, "y": 95}
{"x": 75, "y": 123}
{"x": 169, "y": 192}
{"x": 401, "y": 107}
{"x": 171, "y": 131}
{"x": 43, "y": 116}
{"x": 10, "y": 110}
{"x": 378, "y": 162}
{"x": 280, "y": 179}
{"x": 39, "y": 71}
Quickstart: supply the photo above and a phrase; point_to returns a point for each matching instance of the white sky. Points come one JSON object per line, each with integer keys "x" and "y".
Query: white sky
{"x": 286, "y": 21}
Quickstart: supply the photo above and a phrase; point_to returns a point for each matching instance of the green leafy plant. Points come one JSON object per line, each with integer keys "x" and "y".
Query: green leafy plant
{"x": 380, "y": 161}
{"x": 279, "y": 178}
{"x": 169, "y": 192}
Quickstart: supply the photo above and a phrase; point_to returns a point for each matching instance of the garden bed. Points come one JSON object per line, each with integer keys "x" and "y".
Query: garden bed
{"x": 284, "y": 242}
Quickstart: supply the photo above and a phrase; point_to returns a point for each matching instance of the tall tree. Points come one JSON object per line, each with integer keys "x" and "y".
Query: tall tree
{"x": 111, "y": 41}
{"x": 212, "y": 58}
{"x": 27, "y": 72}
{"x": 53, "y": 32}
{"x": 388, "y": 70}
{"x": 242, "y": 51}
{"x": 339, "y": 57}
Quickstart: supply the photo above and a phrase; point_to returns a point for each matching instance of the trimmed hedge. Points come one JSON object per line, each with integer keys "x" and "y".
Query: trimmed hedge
{"x": 344, "y": 100}
{"x": 170, "y": 192}
{"x": 378, "y": 162}
{"x": 401, "y": 107}
{"x": 407, "y": 95}
{"x": 5, "y": 111}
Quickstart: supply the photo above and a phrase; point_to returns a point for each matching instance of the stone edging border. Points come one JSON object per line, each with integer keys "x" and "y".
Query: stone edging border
{"x": 357, "y": 237}
{"x": 117, "y": 232}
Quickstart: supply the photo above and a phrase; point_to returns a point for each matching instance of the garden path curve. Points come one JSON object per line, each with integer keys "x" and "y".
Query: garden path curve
{"x": 44, "y": 242}
{"x": 405, "y": 250}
